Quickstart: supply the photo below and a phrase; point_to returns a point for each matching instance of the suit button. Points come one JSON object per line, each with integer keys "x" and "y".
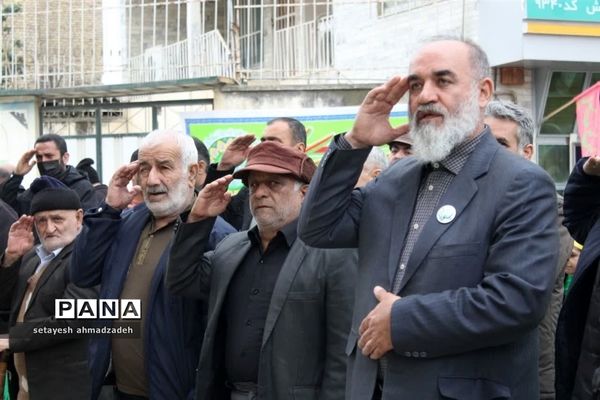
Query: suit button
{"x": 415, "y": 354}
{"x": 255, "y": 291}
{"x": 248, "y": 322}
{"x": 407, "y": 354}
{"x": 423, "y": 354}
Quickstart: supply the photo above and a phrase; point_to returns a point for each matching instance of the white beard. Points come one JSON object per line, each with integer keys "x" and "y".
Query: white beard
{"x": 179, "y": 198}
{"x": 433, "y": 143}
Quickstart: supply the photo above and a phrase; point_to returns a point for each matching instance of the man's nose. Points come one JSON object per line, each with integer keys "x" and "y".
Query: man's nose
{"x": 153, "y": 177}
{"x": 428, "y": 94}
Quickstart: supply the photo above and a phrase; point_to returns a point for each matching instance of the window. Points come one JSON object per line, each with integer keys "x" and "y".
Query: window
{"x": 557, "y": 147}
{"x": 563, "y": 87}
{"x": 389, "y": 7}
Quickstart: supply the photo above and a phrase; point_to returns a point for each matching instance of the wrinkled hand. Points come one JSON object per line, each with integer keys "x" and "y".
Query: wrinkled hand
{"x": 118, "y": 195}
{"x": 20, "y": 240}
{"x": 372, "y": 124}
{"x": 236, "y": 152}
{"x": 376, "y": 329}
{"x": 4, "y": 344}
{"x": 592, "y": 166}
{"x": 25, "y": 164}
{"x": 212, "y": 200}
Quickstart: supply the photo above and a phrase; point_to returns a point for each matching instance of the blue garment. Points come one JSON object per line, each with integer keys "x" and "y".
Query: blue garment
{"x": 174, "y": 326}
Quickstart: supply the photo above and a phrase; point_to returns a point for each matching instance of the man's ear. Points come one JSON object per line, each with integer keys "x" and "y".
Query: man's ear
{"x": 79, "y": 217}
{"x": 65, "y": 158}
{"x": 301, "y": 146}
{"x": 192, "y": 173}
{"x": 486, "y": 89}
{"x": 375, "y": 172}
{"x": 527, "y": 151}
{"x": 304, "y": 189}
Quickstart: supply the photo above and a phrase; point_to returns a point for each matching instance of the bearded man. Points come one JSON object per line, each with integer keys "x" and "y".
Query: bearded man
{"x": 457, "y": 246}
{"x": 127, "y": 256}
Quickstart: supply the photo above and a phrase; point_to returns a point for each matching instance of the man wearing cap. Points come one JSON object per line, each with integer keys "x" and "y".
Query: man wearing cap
{"x": 284, "y": 130}
{"x": 400, "y": 147}
{"x": 34, "y": 276}
{"x": 278, "y": 311}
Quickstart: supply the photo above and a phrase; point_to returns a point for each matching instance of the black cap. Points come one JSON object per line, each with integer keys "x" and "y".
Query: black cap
{"x": 51, "y": 194}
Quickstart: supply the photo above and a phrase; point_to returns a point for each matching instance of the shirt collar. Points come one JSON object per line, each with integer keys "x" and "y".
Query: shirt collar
{"x": 289, "y": 232}
{"x": 46, "y": 256}
{"x": 458, "y": 157}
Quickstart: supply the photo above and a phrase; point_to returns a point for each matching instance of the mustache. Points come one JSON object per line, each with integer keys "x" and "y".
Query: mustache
{"x": 430, "y": 108}
{"x": 156, "y": 189}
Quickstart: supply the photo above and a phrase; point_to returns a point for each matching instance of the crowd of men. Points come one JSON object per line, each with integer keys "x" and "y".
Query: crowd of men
{"x": 436, "y": 272}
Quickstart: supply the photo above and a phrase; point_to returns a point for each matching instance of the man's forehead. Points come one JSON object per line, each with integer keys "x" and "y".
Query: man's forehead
{"x": 45, "y": 146}
{"x": 259, "y": 176}
{"x": 54, "y": 213}
{"x": 159, "y": 153}
{"x": 440, "y": 56}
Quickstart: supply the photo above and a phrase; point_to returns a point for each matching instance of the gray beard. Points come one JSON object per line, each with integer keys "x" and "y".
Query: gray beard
{"x": 179, "y": 198}
{"x": 433, "y": 143}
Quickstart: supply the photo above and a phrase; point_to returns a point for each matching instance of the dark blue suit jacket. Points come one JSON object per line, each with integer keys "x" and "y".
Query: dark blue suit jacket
{"x": 474, "y": 290}
{"x": 174, "y": 325}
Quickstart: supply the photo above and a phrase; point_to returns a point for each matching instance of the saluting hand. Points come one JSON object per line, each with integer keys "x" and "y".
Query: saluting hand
{"x": 236, "y": 152}
{"x": 212, "y": 200}
{"x": 20, "y": 240}
{"x": 118, "y": 195}
{"x": 372, "y": 124}
{"x": 25, "y": 163}
{"x": 376, "y": 329}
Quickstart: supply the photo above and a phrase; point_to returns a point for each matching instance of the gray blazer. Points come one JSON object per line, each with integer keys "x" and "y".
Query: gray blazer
{"x": 474, "y": 289}
{"x": 302, "y": 354}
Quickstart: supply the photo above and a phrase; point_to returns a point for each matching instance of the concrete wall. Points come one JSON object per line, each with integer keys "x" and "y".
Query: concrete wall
{"x": 293, "y": 98}
{"x": 370, "y": 47}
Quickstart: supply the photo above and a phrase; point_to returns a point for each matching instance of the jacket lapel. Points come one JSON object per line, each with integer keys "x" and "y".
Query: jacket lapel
{"x": 227, "y": 269}
{"x": 54, "y": 264}
{"x": 282, "y": 285}
{"x": 30, "y": 261}
{"x": 403, "y": 208}
{"x": 459, "y": 195}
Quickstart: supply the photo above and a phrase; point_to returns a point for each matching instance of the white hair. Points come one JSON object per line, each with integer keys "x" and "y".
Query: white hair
{"x": 376, "y": 159}
{"x": 187, "y": 148}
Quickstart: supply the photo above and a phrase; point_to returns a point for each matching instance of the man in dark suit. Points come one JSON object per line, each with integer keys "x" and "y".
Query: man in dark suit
{"x": 577, "y": 335}
{"x": 33, "y": 277}
{"x": 278, "y": 311}
{"x": 457, "y": 246}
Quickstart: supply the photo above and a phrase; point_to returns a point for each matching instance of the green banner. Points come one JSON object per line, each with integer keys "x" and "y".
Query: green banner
{"x": 564, "y": 10}
{"x": 218, "y": 128}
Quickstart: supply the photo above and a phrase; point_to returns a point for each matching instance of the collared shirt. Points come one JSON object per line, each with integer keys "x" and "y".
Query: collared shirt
{"x": 434, "y": 184}
{"x": 45, "y": 256}
{"x": 247, "y": 302}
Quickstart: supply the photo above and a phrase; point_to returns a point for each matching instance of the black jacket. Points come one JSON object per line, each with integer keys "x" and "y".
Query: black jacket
{"x": 578, "y": 331}
{"x": 56, "y": 365}
{"x": 20, "y": 199}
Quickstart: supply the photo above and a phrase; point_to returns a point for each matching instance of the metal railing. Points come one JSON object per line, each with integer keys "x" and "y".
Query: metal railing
{"x": 202, "y": 56}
